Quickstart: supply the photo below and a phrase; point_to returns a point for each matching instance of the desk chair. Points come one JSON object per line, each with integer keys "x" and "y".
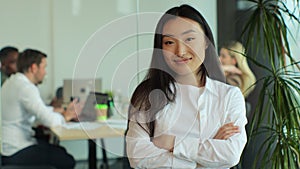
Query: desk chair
{"x": 27, "y": 167}
{"x": 23, "y": 167}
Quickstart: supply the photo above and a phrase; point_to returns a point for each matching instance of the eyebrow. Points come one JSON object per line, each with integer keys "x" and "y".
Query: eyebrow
{"x": 183, "y": 33}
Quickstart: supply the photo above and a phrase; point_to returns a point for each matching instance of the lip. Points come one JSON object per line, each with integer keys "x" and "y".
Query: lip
{"x": 185, "y": 60}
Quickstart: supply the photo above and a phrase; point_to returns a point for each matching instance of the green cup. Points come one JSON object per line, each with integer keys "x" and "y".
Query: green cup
{"x": 101, "y": 111}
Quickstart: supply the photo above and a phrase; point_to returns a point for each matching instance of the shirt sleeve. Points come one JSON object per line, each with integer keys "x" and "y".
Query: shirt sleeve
{"x": 31, "y": 101}
{"x": 215, "y": 153}
{"x": 142, "y": 153}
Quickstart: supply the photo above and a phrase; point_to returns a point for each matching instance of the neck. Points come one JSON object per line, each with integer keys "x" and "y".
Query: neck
{"x": 30, "y": 77}
{"x": 190, "y": 79}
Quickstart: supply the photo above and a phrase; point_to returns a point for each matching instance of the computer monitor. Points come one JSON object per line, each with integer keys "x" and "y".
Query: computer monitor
{"x": 80, "y": 88}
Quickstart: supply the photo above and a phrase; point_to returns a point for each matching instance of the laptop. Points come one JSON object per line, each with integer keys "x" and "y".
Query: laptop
{"x": 80, "y": 88}
{"x": 89, "y": 111}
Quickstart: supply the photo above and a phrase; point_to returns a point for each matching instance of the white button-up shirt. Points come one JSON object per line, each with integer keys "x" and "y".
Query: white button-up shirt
{"x": 194, "y": 118}
{"x": 21, "y": 105}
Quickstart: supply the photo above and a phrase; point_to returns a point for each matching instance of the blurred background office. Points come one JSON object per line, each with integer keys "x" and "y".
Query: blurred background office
{"x": 82, "y": 41}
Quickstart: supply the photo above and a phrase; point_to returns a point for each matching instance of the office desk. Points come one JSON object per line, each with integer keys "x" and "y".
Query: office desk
{"x": 90, "y": 132}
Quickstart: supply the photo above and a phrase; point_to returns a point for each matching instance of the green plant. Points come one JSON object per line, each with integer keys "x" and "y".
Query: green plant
{"x": 277, "y": 114}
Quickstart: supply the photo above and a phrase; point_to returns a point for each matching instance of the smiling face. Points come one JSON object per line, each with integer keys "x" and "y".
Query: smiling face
{"x": 183, "y": 46}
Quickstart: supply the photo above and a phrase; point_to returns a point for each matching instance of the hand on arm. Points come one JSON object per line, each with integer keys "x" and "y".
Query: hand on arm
{"x": 221, "y": 151}
{"x": 164, "y": 142}
{"x": 226, "y": 131}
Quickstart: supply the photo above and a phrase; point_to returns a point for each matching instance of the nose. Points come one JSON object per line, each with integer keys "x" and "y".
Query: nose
{"x": 181, "y": 49}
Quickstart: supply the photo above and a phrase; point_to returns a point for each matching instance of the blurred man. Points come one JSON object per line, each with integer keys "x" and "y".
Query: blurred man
{"x": 21, "y": 106}
{"x": 8, "y": 57}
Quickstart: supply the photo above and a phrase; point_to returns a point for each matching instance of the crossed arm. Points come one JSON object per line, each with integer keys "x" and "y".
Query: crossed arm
{"x": 166, "y": 142}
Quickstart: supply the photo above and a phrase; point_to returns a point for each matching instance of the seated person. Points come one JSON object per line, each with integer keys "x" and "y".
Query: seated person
{"x": 21, "y": 106}
{"x": 57, "y": 101}
{"x": 236, "y": 68}
{"x": 8, "y": 58}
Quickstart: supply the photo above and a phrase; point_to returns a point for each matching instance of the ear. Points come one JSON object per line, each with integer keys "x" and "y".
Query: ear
{"x": 234, "y": 62}
{"x": 34, "y": 68}
{"x": 206, "y": 43}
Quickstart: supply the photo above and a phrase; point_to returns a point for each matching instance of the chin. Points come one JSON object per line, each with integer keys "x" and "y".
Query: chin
{"x": 183, "y": 72}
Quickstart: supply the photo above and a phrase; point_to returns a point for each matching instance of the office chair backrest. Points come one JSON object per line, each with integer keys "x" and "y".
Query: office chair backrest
{"x": 27, "y": 167}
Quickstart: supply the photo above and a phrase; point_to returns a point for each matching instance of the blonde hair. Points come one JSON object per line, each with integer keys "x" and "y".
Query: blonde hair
{"x": 237, "y": 51}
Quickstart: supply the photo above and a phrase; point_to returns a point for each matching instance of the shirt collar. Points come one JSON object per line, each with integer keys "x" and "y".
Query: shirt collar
{"x": 209, "y": 85}
{"x": 23, "y": 77}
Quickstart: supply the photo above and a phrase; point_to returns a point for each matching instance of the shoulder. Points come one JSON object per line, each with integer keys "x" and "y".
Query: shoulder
{"x": 20, "y": 83}
{"x": 140, "y": 91}
{"x": 142, "y": 87}
{"x": 230, "y": 96}
{"x": 222, "y": 89}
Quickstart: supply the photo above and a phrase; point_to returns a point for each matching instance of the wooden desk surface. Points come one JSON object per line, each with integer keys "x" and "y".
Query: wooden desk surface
{"x": 103, "y": 131}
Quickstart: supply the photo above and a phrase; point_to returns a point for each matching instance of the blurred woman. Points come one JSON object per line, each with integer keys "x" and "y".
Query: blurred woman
{"x": 236, "y": 67}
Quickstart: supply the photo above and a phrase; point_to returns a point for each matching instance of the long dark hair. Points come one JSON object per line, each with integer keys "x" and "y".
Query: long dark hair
{"x": 159, "y": 80}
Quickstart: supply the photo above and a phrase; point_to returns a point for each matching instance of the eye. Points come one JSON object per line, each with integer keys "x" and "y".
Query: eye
{"x": 168, "y": 42}
{"x": 189, "y": 39}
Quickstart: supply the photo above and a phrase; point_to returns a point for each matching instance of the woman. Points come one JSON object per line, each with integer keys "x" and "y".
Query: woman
{"x": 179, "y": 116}
{"x": 236, "y": 67}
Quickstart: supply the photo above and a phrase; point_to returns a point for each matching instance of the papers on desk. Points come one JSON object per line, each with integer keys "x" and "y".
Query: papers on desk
{"x": 82, "y": 125}
{"x": 117, "y": 123}
{"x": 113, "y": 123}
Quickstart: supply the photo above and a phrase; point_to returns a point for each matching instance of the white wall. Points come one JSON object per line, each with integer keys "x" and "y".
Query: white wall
{"x": 80, "y": 40}
{"x": 90, "y": 38}
{"x": 27, "y": 24}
